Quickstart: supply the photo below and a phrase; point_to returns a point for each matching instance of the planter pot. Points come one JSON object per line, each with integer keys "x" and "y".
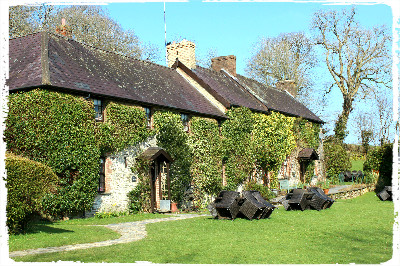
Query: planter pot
{"x": 174, "y": 207}
{"x": 326, "y": 190}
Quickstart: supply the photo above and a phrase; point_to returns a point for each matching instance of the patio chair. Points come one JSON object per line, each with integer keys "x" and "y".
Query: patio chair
{"x": 227, "y": 204}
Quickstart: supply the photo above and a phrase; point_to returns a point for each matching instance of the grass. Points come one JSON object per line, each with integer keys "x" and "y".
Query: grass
{"x": 357, "y": 165}
{"x": 76, "y": 231}
{"x": 351, "y": 231}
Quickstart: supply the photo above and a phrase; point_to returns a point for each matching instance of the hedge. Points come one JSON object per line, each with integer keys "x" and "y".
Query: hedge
{"x": 380, "y": 159}
{"x": 27, "y": 183}
{"x": 57, "y": 129}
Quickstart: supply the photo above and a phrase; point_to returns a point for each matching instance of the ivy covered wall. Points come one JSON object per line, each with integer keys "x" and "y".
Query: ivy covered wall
{"x": 59, "y": 130}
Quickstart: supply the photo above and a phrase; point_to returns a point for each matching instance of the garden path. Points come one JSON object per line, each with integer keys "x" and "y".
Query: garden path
{"x": 130, "y": 231}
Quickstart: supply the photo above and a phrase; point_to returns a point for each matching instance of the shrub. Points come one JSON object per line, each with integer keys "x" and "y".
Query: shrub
{"x": 380, "y": 159}
{"x": 27, "y": 183}
{"x": 336, "y": 160}
{"x": 57, "y": 129}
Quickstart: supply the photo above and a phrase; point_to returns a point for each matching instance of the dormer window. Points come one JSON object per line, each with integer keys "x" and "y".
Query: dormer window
{"x": 98, "y": 108}
{"x": 148, "y": 116}
{"x": 185, "y": 122}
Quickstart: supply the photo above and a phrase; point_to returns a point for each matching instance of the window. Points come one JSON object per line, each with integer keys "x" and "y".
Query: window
{"x": 148, "y": 116}
{"x": 185, "y": 121}
{"x": 102, "y": 179}
{"x": 98, "y": 108}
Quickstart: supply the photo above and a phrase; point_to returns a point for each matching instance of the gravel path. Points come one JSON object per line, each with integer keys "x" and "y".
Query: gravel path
{"x": 131, "y": 231}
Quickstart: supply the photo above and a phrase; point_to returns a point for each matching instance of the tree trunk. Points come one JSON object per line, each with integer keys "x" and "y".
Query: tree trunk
{"x": 341, "y": 123}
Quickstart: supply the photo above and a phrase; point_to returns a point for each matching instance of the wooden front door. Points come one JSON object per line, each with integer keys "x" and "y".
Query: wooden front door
{"x": 160, "y": 185}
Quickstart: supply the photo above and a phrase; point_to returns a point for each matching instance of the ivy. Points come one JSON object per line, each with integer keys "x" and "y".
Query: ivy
{"x": 172, "y": 138}
{"x": 238, "y": 147}
{"x": 307, "y": 133}
{"x": 58, "y": 130}
{"x": 274, "y": 140}
{"x": 206, "y": 168}
{"x": 124, "y": 126}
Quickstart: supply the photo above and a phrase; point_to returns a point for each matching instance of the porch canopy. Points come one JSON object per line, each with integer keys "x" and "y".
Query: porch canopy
{"x": 308, "y": 154}
{"x": 152, "y": 153}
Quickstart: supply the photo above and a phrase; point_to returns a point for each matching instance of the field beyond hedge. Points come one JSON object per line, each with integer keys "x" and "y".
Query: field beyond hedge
{"x": 351, "y": 231}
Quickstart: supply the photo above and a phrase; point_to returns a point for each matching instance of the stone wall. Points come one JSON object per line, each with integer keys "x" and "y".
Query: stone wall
{"x": 352, "y": 193}
{"x": 119, "y": 179}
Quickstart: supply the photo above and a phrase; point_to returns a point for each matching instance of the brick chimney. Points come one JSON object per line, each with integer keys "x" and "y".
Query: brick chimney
{"x": 64, "y": 29}
{"x": 287, "y": 85}
{"x": 224, "y": 62}
{"x": 184, "y": 51}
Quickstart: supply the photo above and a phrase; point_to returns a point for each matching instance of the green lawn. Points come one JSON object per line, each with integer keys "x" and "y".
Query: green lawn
{"x": 351, "y": 231}
{"x": 357, "y": 165}
{"x": 75, "y": 231}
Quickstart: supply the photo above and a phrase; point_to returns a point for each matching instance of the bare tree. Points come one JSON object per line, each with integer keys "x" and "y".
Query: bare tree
{"x": 91, "y": 25}
{"x": 205, "y": 61}
{"x": 289, "y": 56}
{"x": 358, "y": 59}
{"x": 385, "y": 114}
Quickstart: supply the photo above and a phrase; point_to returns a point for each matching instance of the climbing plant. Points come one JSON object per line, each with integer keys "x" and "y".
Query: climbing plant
{"x": 139, "y": 197}
{"x": 206, "y": 168}
{"x": 239, "y": 157}
{"x": 307, "y": 133}
{"x": 124, "y": 126}
{"x": 58, "y": 130}
{"x": 172, "y": 137}
{"x": 274, "y": 140}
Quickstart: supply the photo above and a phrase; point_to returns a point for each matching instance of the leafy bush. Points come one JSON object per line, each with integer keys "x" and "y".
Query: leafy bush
{"x": 139, "y": 198}
{"x": 380, "y": 159}
{"x": 27, "y": 183}
{"x": 336, "y": 160}
{"x": 57, "y": 129}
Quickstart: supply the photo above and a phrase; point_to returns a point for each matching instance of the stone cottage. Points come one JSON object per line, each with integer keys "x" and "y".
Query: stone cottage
{"x": 55, "y": 62}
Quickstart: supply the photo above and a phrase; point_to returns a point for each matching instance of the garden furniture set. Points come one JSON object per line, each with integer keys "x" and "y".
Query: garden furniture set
{"x": 310, "y": 198}
{"x": 230, "y": 204}
{"x": 352, "y": 176}
{"x": 385, "y": 194}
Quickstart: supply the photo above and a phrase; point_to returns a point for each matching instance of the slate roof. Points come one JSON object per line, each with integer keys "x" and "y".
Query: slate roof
{"x": 278, "y": 100}
{"x": 49, "y": 59}
{"x": 46, "y": 58}
{"x": 308, "y": 154}
{"x": 228, "y": 89}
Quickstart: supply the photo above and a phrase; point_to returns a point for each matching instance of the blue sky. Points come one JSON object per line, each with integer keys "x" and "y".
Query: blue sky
{"x": 235, "y": 27}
